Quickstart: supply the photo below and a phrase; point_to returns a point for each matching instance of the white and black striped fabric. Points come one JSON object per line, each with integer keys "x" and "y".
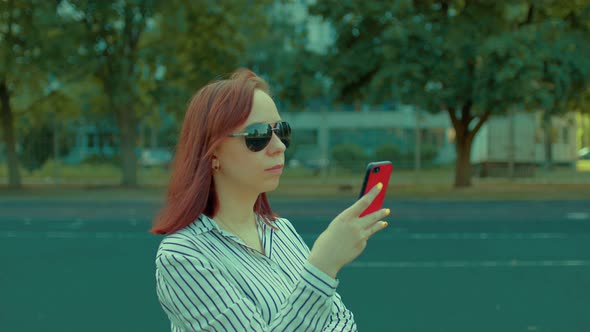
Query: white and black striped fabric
{"x": 210, "y": 280}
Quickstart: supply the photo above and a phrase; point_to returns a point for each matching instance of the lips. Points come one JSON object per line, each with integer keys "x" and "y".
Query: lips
{"x": 277, "y": 167}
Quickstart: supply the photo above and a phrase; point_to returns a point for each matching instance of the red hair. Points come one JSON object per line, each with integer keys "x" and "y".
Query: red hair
{"x": 213, "y": 113}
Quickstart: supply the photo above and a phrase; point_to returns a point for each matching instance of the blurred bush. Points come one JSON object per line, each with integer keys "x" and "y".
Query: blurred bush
{"x": 406, "y": 159}
{"x": 389, "y": 152}
{"x": 96, "y": 159}
{"x": 428, "y": 152}
{"x": 37, "y": 147}
{"x": 350, "y": 156}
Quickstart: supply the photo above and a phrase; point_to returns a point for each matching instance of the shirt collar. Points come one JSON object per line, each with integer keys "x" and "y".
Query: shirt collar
{"x": 204, "y": 224}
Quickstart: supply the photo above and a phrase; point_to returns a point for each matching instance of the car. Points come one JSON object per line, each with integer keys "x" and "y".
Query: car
{"x": 155, "y": 157}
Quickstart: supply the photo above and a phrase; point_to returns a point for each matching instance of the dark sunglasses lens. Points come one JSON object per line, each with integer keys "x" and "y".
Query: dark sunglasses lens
{"x": 284, "y": 133}
{"x": 258, "y": 136}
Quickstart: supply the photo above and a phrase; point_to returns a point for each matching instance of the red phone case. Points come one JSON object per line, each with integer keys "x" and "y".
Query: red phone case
{"x": 376, "y": 172}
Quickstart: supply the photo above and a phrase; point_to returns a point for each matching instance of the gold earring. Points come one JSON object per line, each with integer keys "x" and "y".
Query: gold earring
{"x": 216, "y": 165}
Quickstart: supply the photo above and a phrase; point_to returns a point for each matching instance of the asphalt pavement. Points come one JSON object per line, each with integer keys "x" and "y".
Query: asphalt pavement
{"x": 88, "y": 265}
{"x": 309, "y": 215}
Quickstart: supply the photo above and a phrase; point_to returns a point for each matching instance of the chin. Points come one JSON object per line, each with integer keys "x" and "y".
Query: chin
{"x": 272, "y": 186}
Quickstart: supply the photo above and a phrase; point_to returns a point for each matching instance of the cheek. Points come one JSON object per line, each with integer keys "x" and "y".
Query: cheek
{"x": 237, "y": 157}
{"x": 230, "y": 150}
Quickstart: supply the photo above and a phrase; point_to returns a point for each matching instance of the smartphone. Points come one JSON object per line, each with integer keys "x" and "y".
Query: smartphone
{"x": 378, "y": 171}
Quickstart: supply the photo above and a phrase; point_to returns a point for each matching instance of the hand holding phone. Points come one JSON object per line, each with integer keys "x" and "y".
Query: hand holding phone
{"x": 376, "y": 172}
{"x": 347, "y": 235}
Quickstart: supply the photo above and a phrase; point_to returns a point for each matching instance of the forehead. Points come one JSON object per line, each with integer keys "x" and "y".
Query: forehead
{"x": 264, "y": 109}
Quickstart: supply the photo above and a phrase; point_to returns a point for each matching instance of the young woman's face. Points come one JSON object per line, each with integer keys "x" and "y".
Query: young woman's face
{"x": 243, "y": 169}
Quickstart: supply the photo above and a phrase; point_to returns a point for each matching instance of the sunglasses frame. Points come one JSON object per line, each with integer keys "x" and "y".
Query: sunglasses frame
{"x": 275, "y": 128}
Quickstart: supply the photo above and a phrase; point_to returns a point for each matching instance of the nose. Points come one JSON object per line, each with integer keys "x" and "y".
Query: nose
{"x": 276, "y": 145}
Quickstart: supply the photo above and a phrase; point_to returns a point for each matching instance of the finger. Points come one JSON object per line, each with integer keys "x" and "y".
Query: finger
{"x": 364, "y": 202}
{"x": 374, "y": 229}
{"x": 372, "y": 218}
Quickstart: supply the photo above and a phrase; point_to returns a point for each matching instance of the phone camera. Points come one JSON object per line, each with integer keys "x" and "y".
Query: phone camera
{"x": 376, "y": 170}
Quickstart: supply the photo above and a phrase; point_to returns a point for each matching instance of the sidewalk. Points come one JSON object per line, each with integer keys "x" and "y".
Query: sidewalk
{"x": 316, "y": 190}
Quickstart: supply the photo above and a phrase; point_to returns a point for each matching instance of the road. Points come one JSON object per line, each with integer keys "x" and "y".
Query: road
{"x": 311, "y": 216}
{"x": 80, "y": 265}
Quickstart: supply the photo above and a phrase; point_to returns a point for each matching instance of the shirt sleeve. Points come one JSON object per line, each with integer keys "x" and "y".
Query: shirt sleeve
{"x": 341, "y": 319}
{"x": 196, "y": 296}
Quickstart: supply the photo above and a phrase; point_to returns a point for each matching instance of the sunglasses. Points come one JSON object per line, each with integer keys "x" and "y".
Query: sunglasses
{"x": 259, "y": 135}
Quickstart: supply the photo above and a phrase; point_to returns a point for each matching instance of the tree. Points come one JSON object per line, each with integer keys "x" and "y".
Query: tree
{"x": 40, "y": 122}
{"x": 564, "y": 78}
{"x": 110, "y": 35}
{"x": 565, "y": 81}
{"x": 201, "y": 41}
{"x": 151, "y": 55}
{"x": 471, "y": 59}
{"x": 280, "y": 54}
{"x": 29, "y": 35}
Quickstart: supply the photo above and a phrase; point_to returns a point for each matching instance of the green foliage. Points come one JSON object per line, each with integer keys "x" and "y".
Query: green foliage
{"x": 35, "y": 148}
{"x": 438, "y": 54}
{"x": 102, "y": 160}
{"x": 200, "y": 41}
{"x": 472, "y": 59}
{"x": 149, "y": 56}
{"x": 428, "y": 152}
{"x": 295, "y": 82}
{"x": 389, "y": 152}
{"x": 405, "y": 159}
{"x": 28, "y": 38}
{"x": 280, "y": 54}
{"x": 350, "y": 156}
{"x": 38, "y": 147}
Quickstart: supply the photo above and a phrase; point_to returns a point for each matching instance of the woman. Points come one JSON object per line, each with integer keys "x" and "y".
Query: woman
{"x": 228, "y": 262}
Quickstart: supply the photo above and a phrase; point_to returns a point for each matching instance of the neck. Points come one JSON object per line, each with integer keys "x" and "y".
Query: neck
{"x": 236, "y": 207}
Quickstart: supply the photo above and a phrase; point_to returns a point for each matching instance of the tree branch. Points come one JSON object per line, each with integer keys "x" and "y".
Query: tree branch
{"x": 479, "y": 124}
{"x": 466, "y": 113}
{"x": 445, "y": 6}
{"x": 529, "y": 16}
{"x": 453, "y": 116}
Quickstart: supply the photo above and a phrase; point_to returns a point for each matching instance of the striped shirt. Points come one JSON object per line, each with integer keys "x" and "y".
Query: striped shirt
{"x": 208, "y": 279}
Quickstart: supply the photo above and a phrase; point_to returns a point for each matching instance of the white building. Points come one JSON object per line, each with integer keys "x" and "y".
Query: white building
{"x": 519, "y": 139}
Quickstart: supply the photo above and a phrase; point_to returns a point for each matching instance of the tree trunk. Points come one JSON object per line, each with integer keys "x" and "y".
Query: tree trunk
{"x": 463, "y": 163}
{"x": 417, "y": 144}
{"x": 127, "y": 125}
{"x": 463, "y": 139}
{"x": 56, "y": 155}
{"x": 14, "y": 180}
{"x": 548, "y": 141}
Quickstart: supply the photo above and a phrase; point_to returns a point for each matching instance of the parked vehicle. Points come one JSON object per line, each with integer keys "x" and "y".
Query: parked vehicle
{"x": 155, "y": 157}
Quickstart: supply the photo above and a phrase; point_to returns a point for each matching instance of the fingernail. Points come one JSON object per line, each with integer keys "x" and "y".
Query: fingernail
{"x": 385, "y": 224}
{"x": 387, "y": 212}
{"x": 379, "y": 185}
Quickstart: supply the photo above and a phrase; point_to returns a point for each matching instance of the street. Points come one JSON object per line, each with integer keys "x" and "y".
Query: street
{"x": 440, "y": 265}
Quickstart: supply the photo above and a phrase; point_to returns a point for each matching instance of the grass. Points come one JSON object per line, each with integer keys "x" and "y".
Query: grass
{"x": 53, "y": 172}
{"x": 101, "y": 182}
